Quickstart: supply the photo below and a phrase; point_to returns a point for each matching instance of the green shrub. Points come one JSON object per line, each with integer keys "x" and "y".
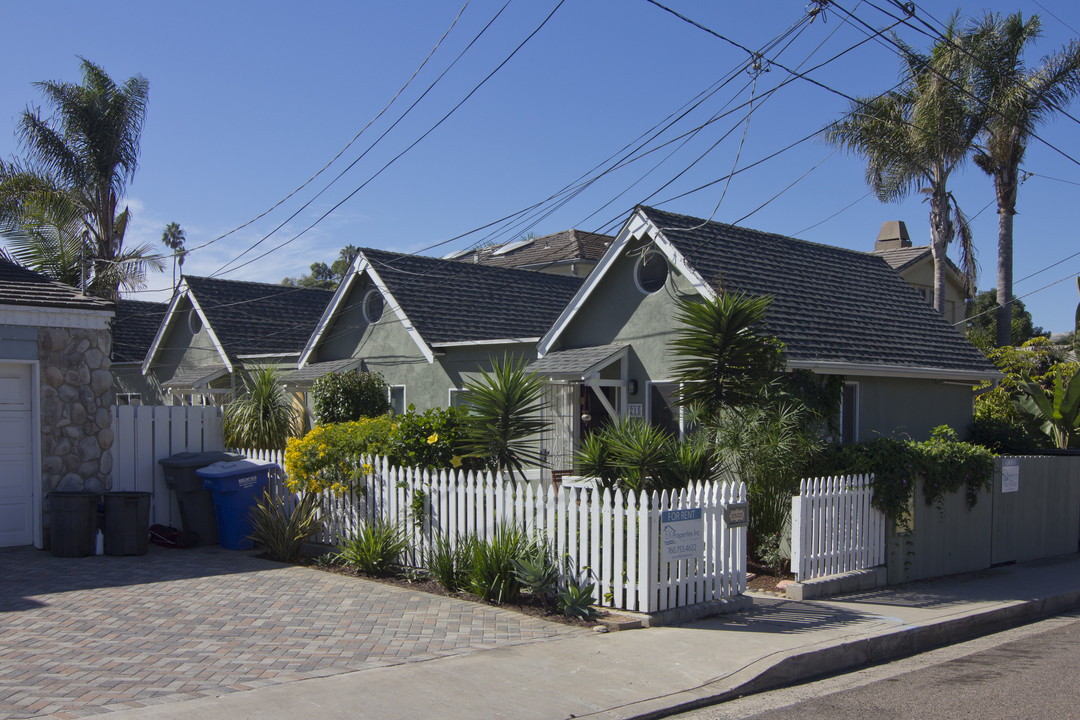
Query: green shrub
{"x": 281, "y": 532}
{"x": 491, "y": 570}
{"x": 376, "y": 547}
{"x": 432, "y": 440}
{"x": 329, "y": 456}
{"x": 449, "y": 563}
{"x": 636, "y": 455}
{"x": 346, "y": 396}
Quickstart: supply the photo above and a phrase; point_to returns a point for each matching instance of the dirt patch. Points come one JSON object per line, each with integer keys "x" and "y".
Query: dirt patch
{"x": 762, "y": 579}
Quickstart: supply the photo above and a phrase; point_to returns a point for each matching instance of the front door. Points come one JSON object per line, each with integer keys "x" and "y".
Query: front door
{"x": 16, "y": 455}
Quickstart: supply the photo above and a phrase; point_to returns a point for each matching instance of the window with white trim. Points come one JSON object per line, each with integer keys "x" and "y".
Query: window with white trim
{"x": 396, "y": 395}
{"x": 129, "y": 398}
{"x": 651, "y": 271}
{"x": 457, "y": 398}
{"x": 373, "y": 306}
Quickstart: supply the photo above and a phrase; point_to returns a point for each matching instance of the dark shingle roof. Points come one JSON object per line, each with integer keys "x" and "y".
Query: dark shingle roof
{"x": 252, "y": 318}
{"x": 456, "y": 302}
{"x": 560, "y": 247}
{"x": 134, "y": 327}
{"x": 829, "y": 304}
{"x": 19, "y": 286}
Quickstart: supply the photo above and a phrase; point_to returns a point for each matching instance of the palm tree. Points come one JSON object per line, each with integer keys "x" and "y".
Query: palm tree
{"x": 81, "y": 160}
{"x": 915, "y": 138}
{"x": 1016, "y": 100}
{"x": 173, "y": 238}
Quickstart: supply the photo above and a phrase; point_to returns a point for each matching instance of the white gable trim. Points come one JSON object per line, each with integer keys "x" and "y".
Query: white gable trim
{"x": 637, "y": 227}
{"x": 362, "y": 266}
{"x": 182, "y": 291}
{"x": 502, "y": 341}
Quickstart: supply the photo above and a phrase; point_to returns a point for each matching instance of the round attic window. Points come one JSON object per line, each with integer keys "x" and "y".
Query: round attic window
{"x": 651, "y": 272}
{"x": 373, "y": 306}
{"x": 194, "y": 322}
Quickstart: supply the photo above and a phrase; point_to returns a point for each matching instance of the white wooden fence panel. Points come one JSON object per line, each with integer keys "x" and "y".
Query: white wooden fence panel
{"x": 835, "y": 528}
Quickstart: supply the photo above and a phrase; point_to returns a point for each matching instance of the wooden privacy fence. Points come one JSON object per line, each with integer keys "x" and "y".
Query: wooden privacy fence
{"x": 613, "y": 538}
{"x": 834, "y": 528}
{"x": 145, "y": 434}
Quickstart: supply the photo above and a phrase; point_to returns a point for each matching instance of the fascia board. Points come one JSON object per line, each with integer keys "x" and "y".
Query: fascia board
{"x": 498, "y": 341}
{"x": 895, "y": 371}
{"x": 359, "y": 264}
{"x": 210, "y": 331}
{"x": 163, "y": 328}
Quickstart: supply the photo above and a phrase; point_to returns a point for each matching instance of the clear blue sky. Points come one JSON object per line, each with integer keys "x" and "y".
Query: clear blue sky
{"x": 248, "y": 100}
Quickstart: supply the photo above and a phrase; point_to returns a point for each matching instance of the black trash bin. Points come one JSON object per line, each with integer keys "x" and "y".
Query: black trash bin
{"x": 196, "y": 503}
{"x": 73, "y": 523}
{"x": 127, "y": 523}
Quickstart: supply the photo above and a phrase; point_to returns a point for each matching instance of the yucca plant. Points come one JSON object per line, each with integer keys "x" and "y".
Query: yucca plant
{"x": 377, "y": 546}
{"x": 449, "y": 562}
{"x": 491, "y": 571}
{"x": 263, "y": 416}
{"x": 505, "y": 416}
{"x": 283, "y": 532}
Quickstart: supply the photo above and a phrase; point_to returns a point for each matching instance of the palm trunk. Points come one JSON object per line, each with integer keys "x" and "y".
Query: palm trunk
{"x": 941, "y": 232}
{"x": 1005, "y": 182}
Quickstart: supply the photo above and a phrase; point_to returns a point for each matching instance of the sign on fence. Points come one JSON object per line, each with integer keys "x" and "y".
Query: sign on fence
{"x": 682, "y": 535}
{"x": 1010, "y": 475}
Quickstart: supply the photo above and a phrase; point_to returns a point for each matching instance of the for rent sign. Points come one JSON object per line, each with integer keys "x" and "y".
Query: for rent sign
{"x": 682, "y": 535}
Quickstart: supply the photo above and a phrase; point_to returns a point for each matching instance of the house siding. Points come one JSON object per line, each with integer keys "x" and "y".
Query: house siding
{"x": 19, "y": 343}
{"x": 909, "y": 407}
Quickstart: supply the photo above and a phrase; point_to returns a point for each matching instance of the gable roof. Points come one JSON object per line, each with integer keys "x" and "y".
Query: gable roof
{"x": 441, "y": 302}
{"x": 25, "y": 288}
{"x": 134, "y": 327}
{"x": 537, "y": 253}
{"x": 247, "y": 318}
{"x": 835, "y": 310}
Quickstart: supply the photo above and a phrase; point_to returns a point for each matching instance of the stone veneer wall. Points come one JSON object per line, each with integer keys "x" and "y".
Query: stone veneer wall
{"x": 77, "y": 395}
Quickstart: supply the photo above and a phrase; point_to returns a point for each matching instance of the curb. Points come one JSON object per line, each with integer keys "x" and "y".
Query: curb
{"x": 799, "y": 666}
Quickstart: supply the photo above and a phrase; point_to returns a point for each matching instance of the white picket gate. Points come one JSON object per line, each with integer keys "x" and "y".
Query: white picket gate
{"x": 834, "y": 528}
{"x": 612, "y": 537}
{"x": 145, "y": 434}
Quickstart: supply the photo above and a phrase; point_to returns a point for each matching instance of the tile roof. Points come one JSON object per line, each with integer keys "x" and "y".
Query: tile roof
{"x": 450, "y": 301}
{"x": 558, "y": 248}
{"x": 134, "y": 327}
{"x": 829, "y": 304}
{"x": 900, "y": 258}
{"x": 251, "y": 318}
{"x": 575, "y": 361}
{"x": 23, "y": 287}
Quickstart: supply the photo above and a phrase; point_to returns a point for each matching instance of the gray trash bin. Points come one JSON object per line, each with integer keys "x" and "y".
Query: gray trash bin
{"x": 127, "y": 523}
{"x": 196, "y": 503}
{"x": 73, "y": 523}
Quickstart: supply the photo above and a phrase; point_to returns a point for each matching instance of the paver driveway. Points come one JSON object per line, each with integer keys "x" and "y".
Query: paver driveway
{"x": 84, "y": 636}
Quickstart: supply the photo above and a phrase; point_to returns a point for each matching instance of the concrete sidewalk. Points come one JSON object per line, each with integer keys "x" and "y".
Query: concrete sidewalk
{"x": 652, "y": 672}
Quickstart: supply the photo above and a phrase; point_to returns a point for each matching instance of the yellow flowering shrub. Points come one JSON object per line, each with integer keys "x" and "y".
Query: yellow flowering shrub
{"x": 327, "y": 458}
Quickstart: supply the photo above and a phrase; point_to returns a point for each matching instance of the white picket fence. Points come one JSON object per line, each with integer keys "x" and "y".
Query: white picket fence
{"x": 145, "y": 434}
{"x": 834, "y": 528}
{"x": 612, "y": 537}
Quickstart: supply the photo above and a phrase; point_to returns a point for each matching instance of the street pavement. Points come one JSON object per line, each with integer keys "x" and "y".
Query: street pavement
{"x": 224, "y": 635}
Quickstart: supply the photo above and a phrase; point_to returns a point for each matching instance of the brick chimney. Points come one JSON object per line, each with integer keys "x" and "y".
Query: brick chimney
{"x": 893, "y": 236}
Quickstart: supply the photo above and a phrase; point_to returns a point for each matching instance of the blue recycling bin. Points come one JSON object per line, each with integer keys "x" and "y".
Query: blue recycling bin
{"x": 235, "y": 487}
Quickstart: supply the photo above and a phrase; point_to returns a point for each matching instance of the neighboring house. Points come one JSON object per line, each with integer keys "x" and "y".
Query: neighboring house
{"x": 214, "y": 328}
{"x": 427, "y": 324}
{"x": 133, "y": 330}
{"x": 55, "y": 393}
{"x": 916, "y": 265}
{"x": 570, "y": 252}
{"x": 837, "y": 311}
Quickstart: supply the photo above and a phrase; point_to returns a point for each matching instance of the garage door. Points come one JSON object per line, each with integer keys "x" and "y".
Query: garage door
{"x": 16, "y": 456}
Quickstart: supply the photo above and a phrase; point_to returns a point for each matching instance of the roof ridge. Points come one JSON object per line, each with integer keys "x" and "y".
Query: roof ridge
{"x": 224, "y": 281}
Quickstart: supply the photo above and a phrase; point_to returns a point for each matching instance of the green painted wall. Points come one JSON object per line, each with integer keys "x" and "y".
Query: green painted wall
{"x": 910, "y": 407}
